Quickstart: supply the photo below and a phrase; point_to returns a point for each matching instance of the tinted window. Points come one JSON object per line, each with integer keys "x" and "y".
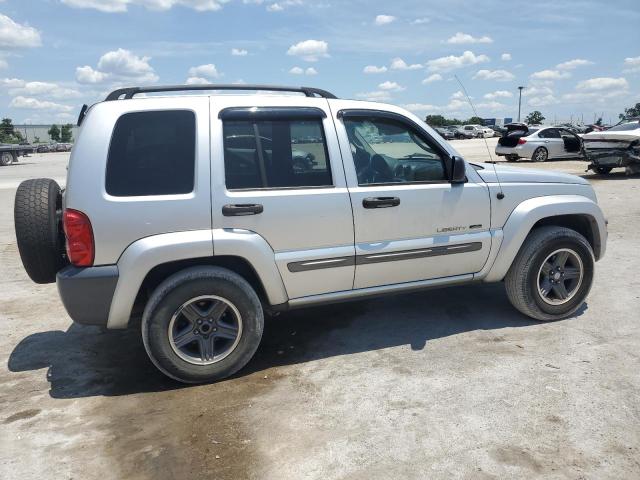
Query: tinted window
{"x": 152, "y": 153}
{"x": 404, "y": 156}
{"x": 275, "y": 154}
{"x": 549, "y": 133}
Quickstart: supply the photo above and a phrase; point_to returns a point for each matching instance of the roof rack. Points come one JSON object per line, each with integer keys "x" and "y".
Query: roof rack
{"x": 129, "y": 92}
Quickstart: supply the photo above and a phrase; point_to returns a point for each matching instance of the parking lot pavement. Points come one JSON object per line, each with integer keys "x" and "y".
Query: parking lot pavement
{"x": 450, "y": 383}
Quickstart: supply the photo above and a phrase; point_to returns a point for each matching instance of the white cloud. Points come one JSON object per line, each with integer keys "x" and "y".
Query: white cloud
{"x": 197, "y": 81}
{"x": 537, "y": 91}
{"x": 632, "y": 64}
{"x": 208, "y": 71}
{"x": 505, "y": 56}
{"x": 302, "y": 71}
{"x": 436, "y": 77}
{"x": 498, "y": 94}
{"x": 603, "y": 83}
{"x": 451, "y": 62}
{"x": 16, "y": 35}
{"x": 280, "y": 6}
{"x": 491, "y": 106}
{"x": 542, "y": 101}
{"x": 87, "y": 74}
{"x": 421, "y": 107}
{"x": 239, "y": 52}
{"x": 35, "y": 104}
{"x": 43, "y": 88}
{"x": 497, "y": 75}
{"x": 374, "y": 69}
{"x": 391, "y": 86}
{"x": 400, "y": 64}
{"x": 420, "y": 21}
{"x": 384, "y": 19}
{"x": 3, "y": 64}
{"x": 116, "y": 6}
{"x": 310, "y": 50}
{"x": 571, "y": 64}
{"x": 458, "y": 95}
{"x": 550, "y": 75}
{"x": 464, "y": 38}
{"x": 118, "y": 65}
{"x": 375, "y": 96}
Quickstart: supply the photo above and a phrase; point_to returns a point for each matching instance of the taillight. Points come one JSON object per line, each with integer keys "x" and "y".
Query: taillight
{"x": 522, "y": 141}
{"x": 79, "y": 234}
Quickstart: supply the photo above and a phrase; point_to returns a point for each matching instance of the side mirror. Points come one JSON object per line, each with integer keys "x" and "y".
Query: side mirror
{"x": 458, "y": 170}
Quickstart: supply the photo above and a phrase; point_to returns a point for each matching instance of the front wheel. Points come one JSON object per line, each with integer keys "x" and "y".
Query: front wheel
{"x": 552, "y": 274}
{"x": 540, "y": 155}
{"x": 6, "y": 159}
{"x": 202, "y": 324}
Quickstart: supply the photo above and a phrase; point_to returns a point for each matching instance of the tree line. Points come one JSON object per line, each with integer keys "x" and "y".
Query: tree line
{"x": 58, "y": 133}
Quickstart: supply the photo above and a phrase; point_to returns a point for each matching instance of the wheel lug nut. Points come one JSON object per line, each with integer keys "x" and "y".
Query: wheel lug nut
{"x": 199, "y": 322}
{"x": 196, "y": 331}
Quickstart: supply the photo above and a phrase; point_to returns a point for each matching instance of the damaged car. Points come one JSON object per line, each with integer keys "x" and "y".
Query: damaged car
{"x": 618, "y": 147}
{"x": 538, "y": 144}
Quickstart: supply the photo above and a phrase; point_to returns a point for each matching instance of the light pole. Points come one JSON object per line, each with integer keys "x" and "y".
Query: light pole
{"x": 520, "y": 102}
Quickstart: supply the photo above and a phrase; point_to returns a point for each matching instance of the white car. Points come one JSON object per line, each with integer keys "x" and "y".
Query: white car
{"x": 537, "y": 143}
{"x": 617, "y": 147}
{"x": 476, "y": 131}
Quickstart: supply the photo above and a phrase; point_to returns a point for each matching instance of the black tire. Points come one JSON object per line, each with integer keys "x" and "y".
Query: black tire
{"x": 540, "y": 154}
{"x": 512, "y": 158}
{"x": 179, "y": 289}
{"x": 522, "y": 279}
{"x": 603, "y": 170}
{"x": 37, "y": 217}
{"x": 6, "y": 158}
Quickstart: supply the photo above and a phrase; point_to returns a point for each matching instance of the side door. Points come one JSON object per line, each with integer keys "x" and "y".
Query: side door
{"x": 552, "y": 141}
{"x": 410, "y": 222}
{"x": 277, "y": 171}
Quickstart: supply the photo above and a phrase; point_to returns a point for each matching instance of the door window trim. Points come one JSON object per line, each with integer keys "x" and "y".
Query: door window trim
{"x": 371, "y": 113}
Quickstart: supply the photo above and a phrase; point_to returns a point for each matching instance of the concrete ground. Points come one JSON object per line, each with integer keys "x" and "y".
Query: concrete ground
{"x": 450, "y": 383}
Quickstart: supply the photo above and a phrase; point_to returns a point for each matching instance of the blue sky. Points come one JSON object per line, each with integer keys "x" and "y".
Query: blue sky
{"x": 576, "y": 58}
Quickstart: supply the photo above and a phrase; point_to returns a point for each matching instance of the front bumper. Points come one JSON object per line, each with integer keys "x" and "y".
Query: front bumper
{"x": 86, "y": 293}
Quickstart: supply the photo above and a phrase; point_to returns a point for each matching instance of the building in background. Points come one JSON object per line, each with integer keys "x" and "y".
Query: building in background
{"x": 34, "y": 132}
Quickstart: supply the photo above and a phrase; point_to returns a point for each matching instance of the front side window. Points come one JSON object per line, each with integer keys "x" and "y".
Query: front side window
{"x": 275, "y": 154}
{"x": 152, "y": 153}
{"x": 549, "y": 133}
{"x": 390, "y": 151}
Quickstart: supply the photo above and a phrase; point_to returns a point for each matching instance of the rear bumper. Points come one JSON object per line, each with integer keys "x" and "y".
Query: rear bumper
{"x": 86, "y": 293}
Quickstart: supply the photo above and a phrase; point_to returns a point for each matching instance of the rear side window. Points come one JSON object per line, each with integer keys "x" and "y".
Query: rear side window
{"x": 152, "y": 153}
{"x": 275, "y": 154}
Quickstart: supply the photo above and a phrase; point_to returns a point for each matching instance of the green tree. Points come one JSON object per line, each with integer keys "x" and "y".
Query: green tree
{"x": 66, "y": 133}
{"x": 54, "y": 133}
{"x": 475, "y": 121}
{"x": 599, "y": 122}
{"x": 8, "y": 133}
{"x": 534, "y": 118}
{"x": 628, "y": 112}
{"x": 436, "y": 120}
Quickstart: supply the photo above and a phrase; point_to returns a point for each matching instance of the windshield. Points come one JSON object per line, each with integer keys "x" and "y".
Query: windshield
{"x": 626, "y": 126}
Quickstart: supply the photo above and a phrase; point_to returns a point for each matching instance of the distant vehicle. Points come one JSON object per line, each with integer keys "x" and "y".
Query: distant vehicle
{"x": 9, "y": 153}
{"x": 616, "y": 147}
{"x": 498, "y": 131}
{"x": 538, "y": 144}
{"x": 445, "y": 133}
{"x": 477, "y": 131}
{"x": 62, "y": 147}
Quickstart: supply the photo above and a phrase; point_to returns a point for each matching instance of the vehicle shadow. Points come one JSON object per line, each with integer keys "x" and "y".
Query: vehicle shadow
{"x": 87, "y": 361}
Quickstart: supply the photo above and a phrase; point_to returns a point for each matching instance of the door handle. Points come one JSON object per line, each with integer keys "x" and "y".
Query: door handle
{"x": 242, "y": 209}
{"x": 380, "y": 202}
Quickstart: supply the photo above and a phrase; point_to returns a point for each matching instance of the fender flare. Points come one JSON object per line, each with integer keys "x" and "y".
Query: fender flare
{"x": 528, "y": 213}
{"x": 143, "y": 255}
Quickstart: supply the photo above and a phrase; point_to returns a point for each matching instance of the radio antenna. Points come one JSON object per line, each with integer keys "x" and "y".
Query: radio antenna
{"x": 500, "y": 194}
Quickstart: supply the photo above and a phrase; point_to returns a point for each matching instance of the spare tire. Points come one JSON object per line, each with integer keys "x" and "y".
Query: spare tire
{"x": 37, "y": 216}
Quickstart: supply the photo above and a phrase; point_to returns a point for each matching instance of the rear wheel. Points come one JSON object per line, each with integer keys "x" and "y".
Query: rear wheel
{"x": 6, "y": 159}
{"x": 37, "y": 217}
{"x": 512, "y": 158}
{"x": 540, "y": 155}
{"x": 202, "y": 324}
{"x": 552, "y": 274}
{"x": 603, "y": 170}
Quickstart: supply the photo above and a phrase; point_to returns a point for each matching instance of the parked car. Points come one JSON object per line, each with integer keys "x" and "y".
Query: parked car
{"x": 476, "y": 131}
{"x": 455, "y": 129}
{"x": 498, "y": 131}
{"x": 538, "y": 144}
{"x": 617, "y": 147}
{"x": 445, "y": 133}
{"x": 204, "y": 236}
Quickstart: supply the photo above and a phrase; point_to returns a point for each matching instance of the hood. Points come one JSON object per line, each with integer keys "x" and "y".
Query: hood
{"x": 526, "y": 175}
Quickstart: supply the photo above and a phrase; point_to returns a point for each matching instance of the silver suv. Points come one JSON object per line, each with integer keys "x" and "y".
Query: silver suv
{"x": 209, "y": 209}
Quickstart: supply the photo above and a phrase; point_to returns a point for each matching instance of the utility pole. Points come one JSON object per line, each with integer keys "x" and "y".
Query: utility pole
{"x": 519, "y": 102}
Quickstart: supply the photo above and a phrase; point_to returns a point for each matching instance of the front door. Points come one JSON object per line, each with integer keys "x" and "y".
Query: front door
{"x": 277, "y": 171}
{"x": 411, "y": 223}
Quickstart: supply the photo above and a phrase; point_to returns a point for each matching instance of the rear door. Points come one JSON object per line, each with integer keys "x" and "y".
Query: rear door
{"x": 552, "y": 141}
{"x": 411, "y": 223}
{"x": 277, "y": 171}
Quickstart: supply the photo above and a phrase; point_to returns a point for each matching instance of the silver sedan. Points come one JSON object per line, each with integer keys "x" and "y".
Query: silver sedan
{"x": 538, "y": 143}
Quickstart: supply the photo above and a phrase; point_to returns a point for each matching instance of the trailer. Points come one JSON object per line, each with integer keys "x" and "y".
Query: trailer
{"x": 9, "y": 153}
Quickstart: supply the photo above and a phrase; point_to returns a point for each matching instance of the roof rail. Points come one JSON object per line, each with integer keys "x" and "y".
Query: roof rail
{"x": 131, "y": 91}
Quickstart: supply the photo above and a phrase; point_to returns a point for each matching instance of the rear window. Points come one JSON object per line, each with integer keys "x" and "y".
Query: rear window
{"x": 152, "y": 153}
{"x": 275, "y": 154}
